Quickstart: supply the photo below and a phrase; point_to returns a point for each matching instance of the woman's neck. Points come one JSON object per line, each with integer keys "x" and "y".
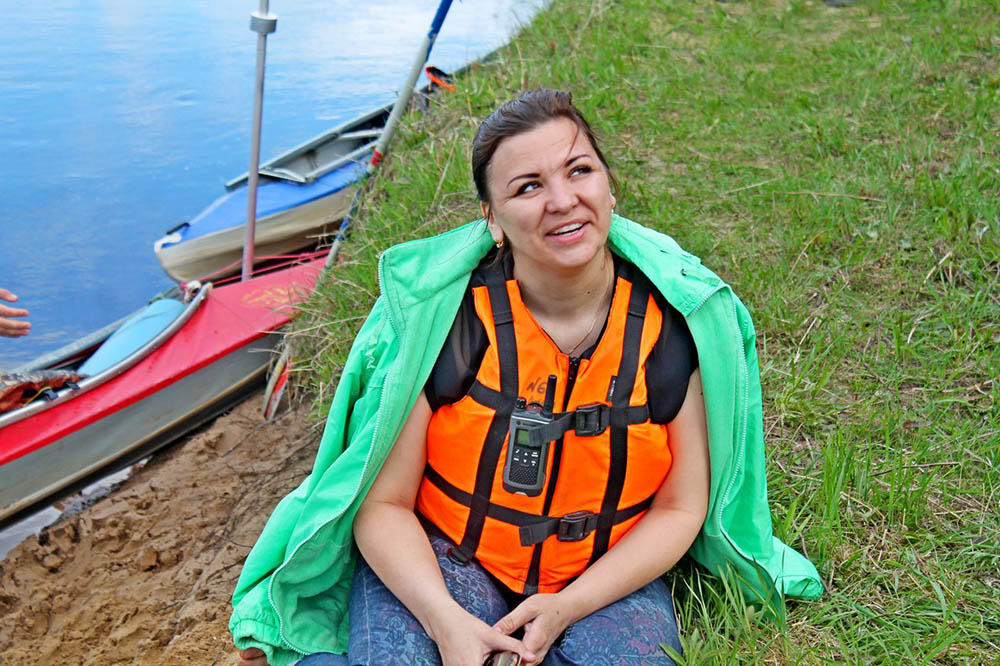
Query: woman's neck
{"x": 566, "y": 295}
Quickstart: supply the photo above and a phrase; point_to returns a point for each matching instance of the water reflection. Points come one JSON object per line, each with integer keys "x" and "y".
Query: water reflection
{"x": 120, "y": 119}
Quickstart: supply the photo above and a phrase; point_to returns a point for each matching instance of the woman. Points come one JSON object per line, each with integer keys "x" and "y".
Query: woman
{"x": 552, "y": 548}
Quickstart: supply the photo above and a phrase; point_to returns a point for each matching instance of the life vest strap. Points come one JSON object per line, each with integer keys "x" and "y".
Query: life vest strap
{"x": 534, "y": 529}
{"x": 627, "y": 370}
{"x": 488, "y": 397}
{"x": 489, "y": 458}
{"x": 588, "y": 421}
{"x": 576, "y": 526}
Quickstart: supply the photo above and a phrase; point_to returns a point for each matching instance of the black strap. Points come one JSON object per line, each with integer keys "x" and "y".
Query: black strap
{"x": 577, "y": 525}
{"x": 627, "y": 370}
{"x": 535, "y": 529}
{"x": 503, "y": 321}
{"x": 587, "y": 421}
{"x": 487, "y": 397}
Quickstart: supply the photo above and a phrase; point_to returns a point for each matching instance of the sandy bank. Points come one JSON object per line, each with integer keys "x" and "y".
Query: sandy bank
{"x": 144, "y": 575}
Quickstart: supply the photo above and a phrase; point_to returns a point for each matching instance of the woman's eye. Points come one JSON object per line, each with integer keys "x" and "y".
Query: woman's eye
{"x": 527, "y": 187}
{"x": 583, "y": 168}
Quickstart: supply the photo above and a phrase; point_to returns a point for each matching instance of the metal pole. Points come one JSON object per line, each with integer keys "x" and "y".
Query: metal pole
{"x": 263, "y": 24}
{"x": 398, "y": 109}
{"x": 403, "y": 100}
{"x": 273, "y": 396}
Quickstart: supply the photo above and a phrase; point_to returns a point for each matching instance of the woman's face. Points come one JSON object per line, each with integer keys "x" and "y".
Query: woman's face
{"x": 550, "y": 196}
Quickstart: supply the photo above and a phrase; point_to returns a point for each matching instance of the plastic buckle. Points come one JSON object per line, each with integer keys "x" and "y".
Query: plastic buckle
{"x": 576, "y": 526}
{"x": 458, "y": 556}
{"x": 592, "y": 419}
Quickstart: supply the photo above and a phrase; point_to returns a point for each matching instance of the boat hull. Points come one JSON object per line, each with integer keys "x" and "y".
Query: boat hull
{"x": 134, "y": 431}
{"x": 300, "y": 191}
{"x": 218, "y": 356}
{"x": 218, "y": 254}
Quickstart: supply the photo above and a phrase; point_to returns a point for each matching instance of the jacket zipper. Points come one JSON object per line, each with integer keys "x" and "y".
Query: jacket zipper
{"x": 741, "y": 452}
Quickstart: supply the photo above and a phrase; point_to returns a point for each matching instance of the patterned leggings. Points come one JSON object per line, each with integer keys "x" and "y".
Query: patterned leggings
{"x": 384, "y": 633}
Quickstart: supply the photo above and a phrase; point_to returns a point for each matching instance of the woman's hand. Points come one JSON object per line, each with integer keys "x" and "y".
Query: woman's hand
{"x": 465, "y": 640}
{"x": 544, "y": 618}
{"x": 252, "y": 657}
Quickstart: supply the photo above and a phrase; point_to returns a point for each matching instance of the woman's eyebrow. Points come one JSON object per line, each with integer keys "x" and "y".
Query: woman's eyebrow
{"x": 578, "y": 157}
{"x": 523, "y": 176}
{"x": 569, "y": 161}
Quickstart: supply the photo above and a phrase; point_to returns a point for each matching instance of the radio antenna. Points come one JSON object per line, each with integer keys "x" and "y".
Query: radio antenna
{"x": 550, "y": 396}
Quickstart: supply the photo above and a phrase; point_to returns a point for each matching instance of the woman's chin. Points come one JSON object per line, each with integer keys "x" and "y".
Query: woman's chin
{"x": 574, "y": 257}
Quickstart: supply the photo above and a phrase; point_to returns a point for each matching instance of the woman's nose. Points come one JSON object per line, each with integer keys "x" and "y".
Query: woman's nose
{"x": 561, "y": 197}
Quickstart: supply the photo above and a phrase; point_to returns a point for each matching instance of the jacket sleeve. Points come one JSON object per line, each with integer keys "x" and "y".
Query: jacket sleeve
{"x": 792, "y": 573}
{"x": 255, "y": 622}
{"x": 737, "y": 539}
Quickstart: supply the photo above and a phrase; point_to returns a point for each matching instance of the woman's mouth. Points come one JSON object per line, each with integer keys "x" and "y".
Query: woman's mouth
{"x": 566, "y": 229}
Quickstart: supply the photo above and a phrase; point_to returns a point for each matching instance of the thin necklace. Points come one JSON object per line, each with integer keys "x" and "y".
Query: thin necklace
{"x": 597, "y": 317}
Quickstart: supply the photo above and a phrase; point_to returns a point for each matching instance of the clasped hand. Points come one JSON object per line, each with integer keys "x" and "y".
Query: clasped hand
{"x": 544, "y": 618}
{"x": 465, "y": 640}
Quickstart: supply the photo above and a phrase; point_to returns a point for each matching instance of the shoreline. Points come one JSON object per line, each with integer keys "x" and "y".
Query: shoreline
{"x": 145, "y": 573}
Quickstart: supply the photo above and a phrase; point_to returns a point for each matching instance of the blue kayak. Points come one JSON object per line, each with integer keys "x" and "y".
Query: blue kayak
{"x": 302, "y": 194}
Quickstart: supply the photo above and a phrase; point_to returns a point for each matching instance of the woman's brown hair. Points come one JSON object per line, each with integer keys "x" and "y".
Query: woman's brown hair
{"x": 528, "y": 111}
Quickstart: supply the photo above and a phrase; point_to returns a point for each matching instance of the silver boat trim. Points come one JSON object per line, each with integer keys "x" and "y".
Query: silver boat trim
{"x": 354, "y": 156}
{"x": 318, "y": 140}
{"x": 100, "y": 378}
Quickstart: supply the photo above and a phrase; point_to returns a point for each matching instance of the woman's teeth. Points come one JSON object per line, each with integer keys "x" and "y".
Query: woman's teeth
{"x": 568, "y": 229}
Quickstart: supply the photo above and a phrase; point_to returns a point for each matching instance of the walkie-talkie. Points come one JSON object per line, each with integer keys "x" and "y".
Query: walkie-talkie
{"x": 524, "y": 471}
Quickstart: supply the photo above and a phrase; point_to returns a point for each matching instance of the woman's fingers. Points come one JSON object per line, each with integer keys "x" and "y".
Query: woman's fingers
{"x": 499, "y": 642}
{"x": 517, "y": 618}
{"x": 538, "y": 637}
{"x": 543, "y": 618}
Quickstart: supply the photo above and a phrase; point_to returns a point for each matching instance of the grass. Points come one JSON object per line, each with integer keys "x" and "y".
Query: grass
{"x": 840, "y": 168}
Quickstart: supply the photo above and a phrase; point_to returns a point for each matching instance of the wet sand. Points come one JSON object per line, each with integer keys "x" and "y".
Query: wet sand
{"x": 144, "y": 576}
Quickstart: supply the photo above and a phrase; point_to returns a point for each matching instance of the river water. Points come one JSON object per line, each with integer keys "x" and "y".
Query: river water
{"x": 119, "y": 119}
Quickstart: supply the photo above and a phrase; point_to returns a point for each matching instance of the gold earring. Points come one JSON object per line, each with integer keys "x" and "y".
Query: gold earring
{"x": 500, "y": 243}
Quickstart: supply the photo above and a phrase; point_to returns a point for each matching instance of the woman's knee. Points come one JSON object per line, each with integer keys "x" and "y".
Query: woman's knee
{"x": 628, "y": 632}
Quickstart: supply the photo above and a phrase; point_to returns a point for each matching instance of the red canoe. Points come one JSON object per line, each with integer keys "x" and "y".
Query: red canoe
{"x": 213, "y": 359}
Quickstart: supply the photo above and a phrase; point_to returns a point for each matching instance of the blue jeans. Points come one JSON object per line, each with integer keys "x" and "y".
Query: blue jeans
{"x": 384, "y": 633}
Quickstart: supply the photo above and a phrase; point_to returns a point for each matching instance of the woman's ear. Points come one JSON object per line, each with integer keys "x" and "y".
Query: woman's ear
{"x": 614, "y": 202}
{"x": 496, "y": 233}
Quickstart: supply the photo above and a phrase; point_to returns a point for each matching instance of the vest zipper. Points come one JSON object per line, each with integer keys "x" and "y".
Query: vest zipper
{"x": 574, "y": 367}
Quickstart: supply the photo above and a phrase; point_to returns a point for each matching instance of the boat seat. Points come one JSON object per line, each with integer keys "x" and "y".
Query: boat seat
{"x": 139, "y": 329}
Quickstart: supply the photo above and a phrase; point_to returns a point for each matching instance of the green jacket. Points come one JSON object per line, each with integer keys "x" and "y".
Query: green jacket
{"x": 291, "y": 598}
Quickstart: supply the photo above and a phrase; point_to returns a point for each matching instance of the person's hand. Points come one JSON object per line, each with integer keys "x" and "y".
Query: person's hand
{"x": 465, "y": 640}
{"x": 252, "y": 657}
{"x": 543, "y": 616}
{"x": 8, "y": 327}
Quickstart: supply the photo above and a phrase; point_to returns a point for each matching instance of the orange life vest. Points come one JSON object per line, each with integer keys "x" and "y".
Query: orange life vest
{"x": 600, "y": 475}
